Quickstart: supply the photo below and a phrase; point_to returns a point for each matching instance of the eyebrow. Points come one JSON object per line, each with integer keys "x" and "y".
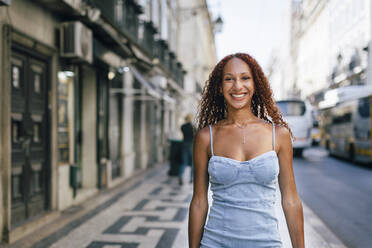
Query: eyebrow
{"x": 228, "y": 73}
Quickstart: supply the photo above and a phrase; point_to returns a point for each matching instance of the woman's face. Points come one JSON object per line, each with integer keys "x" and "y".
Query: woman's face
{"x": 237, "y": 83}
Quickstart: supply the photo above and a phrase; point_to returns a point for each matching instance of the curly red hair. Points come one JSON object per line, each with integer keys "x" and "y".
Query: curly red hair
{"x": 212, "y": 107}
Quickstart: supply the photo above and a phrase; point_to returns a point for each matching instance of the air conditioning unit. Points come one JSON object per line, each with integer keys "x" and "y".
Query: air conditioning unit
{"x": 76, "y": 4}
{"x": 5, "y": 2}
{"x": 76, "y": 41}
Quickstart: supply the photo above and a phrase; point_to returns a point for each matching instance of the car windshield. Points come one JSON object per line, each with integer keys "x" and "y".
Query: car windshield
{"x": 291, "y": 108}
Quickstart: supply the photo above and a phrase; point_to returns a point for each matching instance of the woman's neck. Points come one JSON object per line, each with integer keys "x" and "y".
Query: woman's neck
{"x": 240, "y": 116}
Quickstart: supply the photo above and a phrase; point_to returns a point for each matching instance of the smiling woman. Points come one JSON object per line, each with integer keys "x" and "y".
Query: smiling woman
{"x": 236, "y": 74}
{"x": 237, "y": 106}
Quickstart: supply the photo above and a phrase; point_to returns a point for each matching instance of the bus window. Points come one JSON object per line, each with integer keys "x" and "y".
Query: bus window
{"x": 291, "y": 108}
{"x": 316, "y": 123}
{"x": 345, "y": 118}
{"x": 363, "y": 107}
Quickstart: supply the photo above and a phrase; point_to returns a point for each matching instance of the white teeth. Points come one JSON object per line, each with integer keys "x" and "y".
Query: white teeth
{"x": 237, "y": 95}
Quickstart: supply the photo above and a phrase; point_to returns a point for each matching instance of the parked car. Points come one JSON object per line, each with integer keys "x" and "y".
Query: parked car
{"x": 297, "y": 114}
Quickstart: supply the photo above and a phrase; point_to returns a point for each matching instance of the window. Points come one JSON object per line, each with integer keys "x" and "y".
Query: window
{"x": 37, "y": 132}
{"x": 363, "y": 107}
{"x": 37, "y": 83}
{"x": 291, "y": 108}
{"x": 16, "y": 77}
{"x": 344, "y": 118}
{"x": 16, "y": 131}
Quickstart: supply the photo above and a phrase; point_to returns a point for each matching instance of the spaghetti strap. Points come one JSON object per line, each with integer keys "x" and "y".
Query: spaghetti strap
{"x": 273, "y": 136}
{"x": 210, "y": 132}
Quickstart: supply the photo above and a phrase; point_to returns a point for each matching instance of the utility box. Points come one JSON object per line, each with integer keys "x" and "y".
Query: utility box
{"x": 76, "y": 41}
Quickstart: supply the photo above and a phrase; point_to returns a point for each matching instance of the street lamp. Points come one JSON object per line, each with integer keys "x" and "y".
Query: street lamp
{"x": 218, "y": 23}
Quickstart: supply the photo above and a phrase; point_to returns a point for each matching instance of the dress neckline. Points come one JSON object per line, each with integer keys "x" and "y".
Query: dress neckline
{"x": 246, "y": 161}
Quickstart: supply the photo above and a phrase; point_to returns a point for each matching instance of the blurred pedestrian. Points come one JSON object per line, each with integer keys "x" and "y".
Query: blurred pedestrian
{"x": 188, "y": 137}
{"x": 241, "y": 145}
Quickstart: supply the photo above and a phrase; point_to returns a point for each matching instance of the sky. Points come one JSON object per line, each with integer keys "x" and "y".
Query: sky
{"x": 258, "y": 27}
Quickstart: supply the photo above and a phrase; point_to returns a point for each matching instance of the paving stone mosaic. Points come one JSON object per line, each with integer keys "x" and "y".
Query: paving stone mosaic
{"x": 149, "y": 215}
{"x": 152, "y": 212}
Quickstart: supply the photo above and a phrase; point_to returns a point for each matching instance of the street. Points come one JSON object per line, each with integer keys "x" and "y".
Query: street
{"x": 151, "y": 210}
{"x": 98, "y": 98}
{"x": 339, "y": 192}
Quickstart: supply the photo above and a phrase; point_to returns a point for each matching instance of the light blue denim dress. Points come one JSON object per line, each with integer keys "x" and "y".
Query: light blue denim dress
{"x": 243, "y": 211}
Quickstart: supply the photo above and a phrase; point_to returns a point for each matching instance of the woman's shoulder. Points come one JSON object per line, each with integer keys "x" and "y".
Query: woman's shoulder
{"x": 202, "y": 135}
{"x": 282, "y": 133}
{"x": 281, "y": 130}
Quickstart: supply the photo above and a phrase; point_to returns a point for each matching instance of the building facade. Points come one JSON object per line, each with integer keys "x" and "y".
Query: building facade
{"x": 350, "y": 24}
{"x": 88, "y": 93}
{"x": 310, "y": 46}
{"x": 329, "y": 42}
{"x": 199, "y": 59}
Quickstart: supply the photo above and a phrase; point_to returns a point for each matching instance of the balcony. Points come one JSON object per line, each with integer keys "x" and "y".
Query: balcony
{"x": 171, "y": 62}
{"x": 122, "y": 14}
{"x": 147, "y": 38}
{"x": 162, "y": 51}
{"x": 179, "y": 74}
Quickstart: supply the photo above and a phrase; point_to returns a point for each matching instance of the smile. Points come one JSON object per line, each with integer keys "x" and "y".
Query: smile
{"x": 238, "y": 96}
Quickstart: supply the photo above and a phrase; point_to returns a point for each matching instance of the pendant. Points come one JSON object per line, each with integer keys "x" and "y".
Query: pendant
{"x": 243, "y": 131}
{"x": 242, "y": 127}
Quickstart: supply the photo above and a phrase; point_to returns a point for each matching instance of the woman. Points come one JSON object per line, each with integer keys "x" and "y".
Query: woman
{"x": 241, "y": 146}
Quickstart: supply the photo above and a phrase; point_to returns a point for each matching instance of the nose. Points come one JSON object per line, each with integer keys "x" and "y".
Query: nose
{"x": 238, "y": 84}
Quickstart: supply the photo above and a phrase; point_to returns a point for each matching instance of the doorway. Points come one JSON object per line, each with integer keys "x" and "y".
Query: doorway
{"x": 29, "y": 137}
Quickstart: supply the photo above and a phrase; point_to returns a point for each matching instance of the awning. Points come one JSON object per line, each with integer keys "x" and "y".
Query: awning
{"x": 151, "y": 89}
{"x": 154, "y": 93}
{"x": 168, "y": 99}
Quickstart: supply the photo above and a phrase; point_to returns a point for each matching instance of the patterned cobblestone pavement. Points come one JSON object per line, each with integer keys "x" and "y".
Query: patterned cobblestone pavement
{"x": 149, "y": 211}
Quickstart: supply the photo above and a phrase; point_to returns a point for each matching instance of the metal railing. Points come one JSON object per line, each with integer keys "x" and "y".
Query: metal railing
{"x": 123, "y": 14}
{"x": 106, "y": 7}
{"x": 148, "y": 41}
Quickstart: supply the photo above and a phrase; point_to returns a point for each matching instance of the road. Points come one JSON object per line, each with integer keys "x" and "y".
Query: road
{"x": 339, "y": 192}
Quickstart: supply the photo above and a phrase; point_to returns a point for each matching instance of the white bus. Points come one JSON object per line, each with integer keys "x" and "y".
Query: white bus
{"x": 345, "y": 123}
{"x": 297, "y": 114}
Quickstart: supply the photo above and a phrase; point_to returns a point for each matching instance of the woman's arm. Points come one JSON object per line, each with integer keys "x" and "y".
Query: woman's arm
{"x": 291, "y": 202}
{"x": 199, "y": 203}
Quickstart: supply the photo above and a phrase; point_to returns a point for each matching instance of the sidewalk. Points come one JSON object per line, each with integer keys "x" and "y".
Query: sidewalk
{"x": 148, "y": 211}
{"x": 317, "y": 234}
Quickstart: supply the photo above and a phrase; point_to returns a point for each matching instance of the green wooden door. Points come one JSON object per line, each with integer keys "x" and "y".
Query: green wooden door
{"x": 29, "y": 137}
